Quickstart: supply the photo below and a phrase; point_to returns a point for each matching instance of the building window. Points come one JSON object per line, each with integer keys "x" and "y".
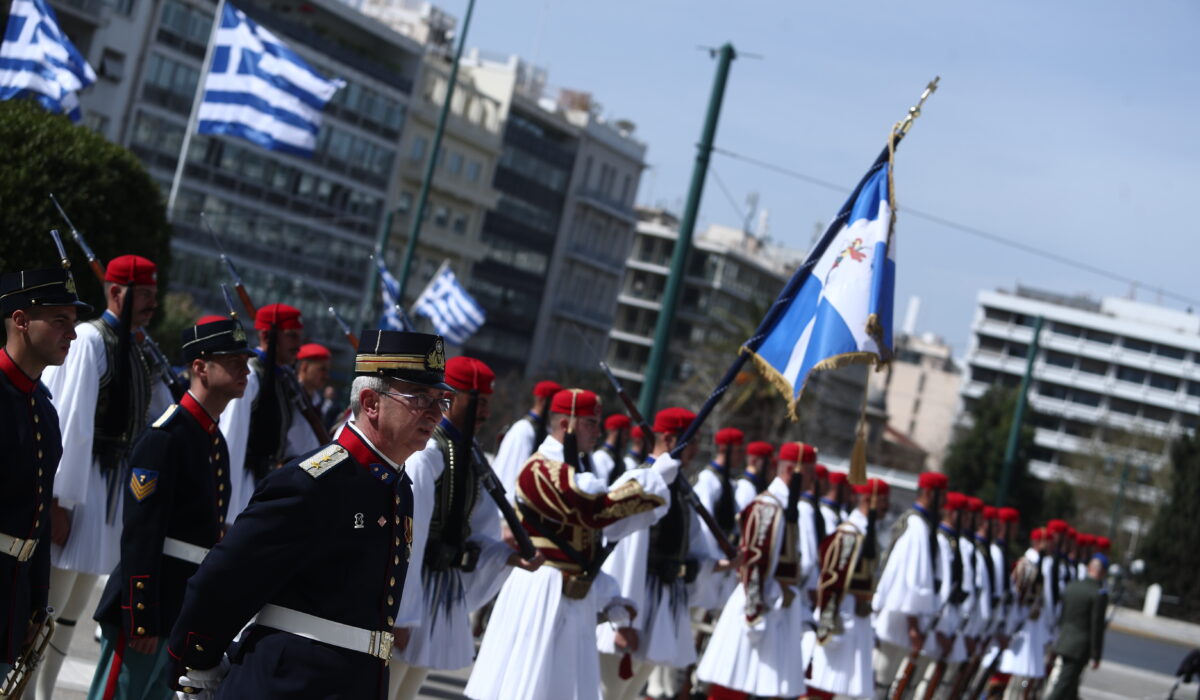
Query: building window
{"x": 419, "y": 145}
{"x": 112, "y": 65}
{"x": 404, "y": 203}
{"x": 1087, "y": 364}
{"x": 1164, "y": 382}
{"x": 441, "y": 216}
{"x": 473, "y": 170}
{"x": 1060, "y": 359}
{"x": 1087, "y": 398}
{"x": 454, "y": 163}
{"x": 1170, "y": 352}
{"x": 460, "y": 223}
{"x": 1129, "y": 374}
{"x": 1122, "y": 406}
{"x": 997, "y": 315}
{"x": 1053, "y": 391}
{"x": 1101, "y": 337}
{"x": 1137, "y": 345}
{"x": 1193, "y": 388}
{"x": 1068, "y": 330}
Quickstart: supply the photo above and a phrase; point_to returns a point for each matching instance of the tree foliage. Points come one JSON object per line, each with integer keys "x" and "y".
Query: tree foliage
{"x": 975, "y": 460}
{"x": 1172, "y": 549}
{"x": 103, "y": 187}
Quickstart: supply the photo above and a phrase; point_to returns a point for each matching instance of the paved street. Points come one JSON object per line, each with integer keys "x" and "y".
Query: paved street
{"x": 1135, "y": 667}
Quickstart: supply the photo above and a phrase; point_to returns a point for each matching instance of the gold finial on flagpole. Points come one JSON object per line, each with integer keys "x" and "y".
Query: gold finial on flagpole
{"x": 905, "y": 124}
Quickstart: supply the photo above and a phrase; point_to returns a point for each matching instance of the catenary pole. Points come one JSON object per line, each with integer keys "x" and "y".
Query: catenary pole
{"x": 648, "y": 397}
{"x": 1014, "y": 431}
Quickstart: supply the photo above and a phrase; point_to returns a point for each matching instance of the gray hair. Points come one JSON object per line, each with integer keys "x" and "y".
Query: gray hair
{"x": 376, "y": 383}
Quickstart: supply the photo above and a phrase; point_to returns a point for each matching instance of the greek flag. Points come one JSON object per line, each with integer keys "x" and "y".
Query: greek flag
{"x": 260, "y": 90}
{"x": 837, "y": 308}
{"x": 394, "y": 318}
{"x": 455, "y": 315}
{"x": 38, "y": 61}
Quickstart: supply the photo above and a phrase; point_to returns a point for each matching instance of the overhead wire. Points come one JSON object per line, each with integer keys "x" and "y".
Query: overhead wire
{"x": 967, "y": 229}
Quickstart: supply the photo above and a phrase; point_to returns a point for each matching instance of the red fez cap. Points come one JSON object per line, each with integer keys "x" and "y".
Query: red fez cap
{"x": 673, "y": 420}
{"x": 1103, "y": 543}
{"x": 975, "y": 505}
{"x": 637, "y": 433}
{"x": 1009, "y": 515}
{"x": 546, "y": 389}
{"x": 730, "y": 436}
{"x": 285, "y": 318}
{"x": 1072, "y": 533}
{"x": 932, "y": 480}
{"x": 617, "y": 421}
{"x": 314, "y": 351}
{"x": 797, "y": 452}
{"x": 837, "y": 477}
{"x": 990, "y": 513}
{"x": 575, "y": 402}
{"x": 955, "y": 501}
{"x": 131, "y": 269}
{"x": 822, "y": 472}
{"x": 758, "y": 448}
{"x": 211, "y": 318}
{"x": 872, "y": 486}
{"x": 469, "y": 374}
{"x": 1037, "y": 535}
{"x": 1056, "y": 526}
{"x": 1085, "y": 539}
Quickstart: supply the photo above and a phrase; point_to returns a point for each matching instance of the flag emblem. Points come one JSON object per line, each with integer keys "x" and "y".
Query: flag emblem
{"x": 37, "y": 60}
{"x": 454, "y": 313}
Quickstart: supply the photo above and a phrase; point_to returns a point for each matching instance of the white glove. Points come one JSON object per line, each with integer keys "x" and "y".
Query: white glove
{"x": 667, "y": 467}
{"x": 203, "y": 682}
{"x": 618, "y": 612}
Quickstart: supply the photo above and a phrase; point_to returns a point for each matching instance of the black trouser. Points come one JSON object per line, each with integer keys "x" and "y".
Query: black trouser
{"x": 1067, "y": 687}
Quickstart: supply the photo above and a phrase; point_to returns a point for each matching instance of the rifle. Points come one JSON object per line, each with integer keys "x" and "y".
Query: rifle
{"x": 350, "y": 337}
{"x": 299, "y": 398}
{"x": 491, "y": 483}
{"x": 174, "y": 382}
{"x": 904, "y": 678}
{"x": 681, "y": 485}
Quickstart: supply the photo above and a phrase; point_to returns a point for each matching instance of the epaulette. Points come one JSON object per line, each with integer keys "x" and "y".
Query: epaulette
{"x": 166, "y": 416}
{"x": 323, "y": 461}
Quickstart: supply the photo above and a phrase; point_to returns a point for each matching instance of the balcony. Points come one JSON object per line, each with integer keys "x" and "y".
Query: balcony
{"x": 607, "y": 205}
{"x": 94, "y": 12}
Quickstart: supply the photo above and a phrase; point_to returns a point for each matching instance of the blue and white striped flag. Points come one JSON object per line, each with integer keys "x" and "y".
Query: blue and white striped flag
{"x": 455, "y": 315}
{"x": 260, "y": 90}
{"x": 837, "y": 308}
{"x": 394, "y": 318}
{"x": 38, "y": 61}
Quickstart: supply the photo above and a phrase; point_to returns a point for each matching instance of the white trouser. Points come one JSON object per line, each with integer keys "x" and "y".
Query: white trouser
{"x": 613, "y": 687}
{"x": 69, "y": 594}
{"x": 404, "y": 681}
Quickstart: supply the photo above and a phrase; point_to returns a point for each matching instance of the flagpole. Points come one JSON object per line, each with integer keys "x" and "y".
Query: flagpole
{"x": 192, "y": 118}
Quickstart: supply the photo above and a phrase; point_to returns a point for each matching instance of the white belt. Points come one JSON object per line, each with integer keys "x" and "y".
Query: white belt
{"x": 378, "y": 644}
{"x": 21, "y": 550}
{"x": 182, "y": 550}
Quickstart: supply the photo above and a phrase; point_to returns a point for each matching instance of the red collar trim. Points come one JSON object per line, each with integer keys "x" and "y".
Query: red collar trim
{"x": 15, "y": 374}
{"x": 192, "y": 406}
{"x": 358, "y": 448}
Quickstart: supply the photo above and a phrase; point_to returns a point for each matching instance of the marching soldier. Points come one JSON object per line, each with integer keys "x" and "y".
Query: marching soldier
{"x": 758, "y": 473}
{"x": 1022, "y": 661}
{"x": 842, "y": 660}
{"x": 175, "y": 506}
{"x": 1085, "y": 603}
{"x": 457, "y": 535}
{"x": 39, "y": 308}
{"x": 715, "y": 489}
{"x": 945, "y": 646}
{"x": 313, "y": 361}
{"x": 541, "y": 641}
{"x": 106, "y": 394}
{"x": 905, "y": 599}
{"x": 752, "y": 648}
{"x": 609, "y": 460}
{"x": 525, "y": 436}
{"x": 265, "y": 427}
{"x": 831, "y": 502}
{"x": 321, "y": 552}
{"x": 637, "y": 448}
{"x": 654, "y": 568}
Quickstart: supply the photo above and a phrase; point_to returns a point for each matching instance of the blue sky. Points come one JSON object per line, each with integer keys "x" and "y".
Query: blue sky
{"x": 1068, "y": 125}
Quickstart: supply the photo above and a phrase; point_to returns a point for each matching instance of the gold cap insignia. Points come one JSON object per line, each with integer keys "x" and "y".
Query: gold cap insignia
{"x": 239, "y": 334}
{"x": 70, "y": 285}
{"x": 436, "y": 359}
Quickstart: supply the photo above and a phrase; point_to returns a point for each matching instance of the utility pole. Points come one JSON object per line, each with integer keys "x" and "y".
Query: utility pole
{"x": 648, "y": 398}
{"x": 414, "y": 227}
{"x": 1014, "y": 431}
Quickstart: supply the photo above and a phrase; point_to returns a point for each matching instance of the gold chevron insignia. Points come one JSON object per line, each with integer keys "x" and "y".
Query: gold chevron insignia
{"x": 142, "y": 484}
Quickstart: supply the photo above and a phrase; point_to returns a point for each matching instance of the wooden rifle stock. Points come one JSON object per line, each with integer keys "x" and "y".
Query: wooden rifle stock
{"x": 939, "y": 670}
{"x": 681, "y": 484}
{"x": 900, "y": 686}
{"x": 97, "y": 269}
{"x": 243, "y": 294}
{"x": 304, "y": 405}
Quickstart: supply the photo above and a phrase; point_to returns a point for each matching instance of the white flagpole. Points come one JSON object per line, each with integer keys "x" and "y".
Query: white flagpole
{"x": 192, "y": 118}
{"x": 436, "y": 275}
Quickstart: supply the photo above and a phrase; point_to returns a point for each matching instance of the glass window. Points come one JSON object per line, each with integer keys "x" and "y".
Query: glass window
{"x": 404, "y": 202}
{"x": 1087, "y": 364}
{"x": 1101, "y": 337}
{"x": 1170, "y": 352}
{"x": 1137, "y": 345}
{"x": 1122, "y": 406}
{"x": 454, "y": 163}
{"x": 419, "y": 144}
{"x": 997, "y": 315}
{"x": 1053, "y": 391}
{"x": 1164, "y": 382}
{"x": 1068, "y": 330}
{"x": 460, "y": 223}
{"x": 1129, "y": 374}
{"x": 1193, "y": 388}
{"x": 474, "y": 170}
{"x": 441, "y": 216}
{"x": 1060, "y": 359}
{"x": 1087, "y": 398}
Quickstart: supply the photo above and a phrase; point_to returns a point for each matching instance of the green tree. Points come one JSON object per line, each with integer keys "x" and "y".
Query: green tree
{"x": 1172, "y": 549}
{"x": 103, "y": 187}
{"x": 975, "y": 459}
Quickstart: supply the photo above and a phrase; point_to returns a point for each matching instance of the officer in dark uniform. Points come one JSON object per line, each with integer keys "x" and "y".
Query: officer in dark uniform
{"x": 321, "y": 551}
{"x": 39, "y": 308}
{"x": 176, "y": 503}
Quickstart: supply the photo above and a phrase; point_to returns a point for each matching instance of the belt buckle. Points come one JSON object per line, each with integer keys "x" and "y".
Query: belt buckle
{"x": 381, "y": 645}
{"x": 25, "y": 551}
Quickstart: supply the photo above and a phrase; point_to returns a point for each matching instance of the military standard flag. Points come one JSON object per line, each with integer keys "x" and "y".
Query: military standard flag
{"x": 837, "y": 308}
{"x": 454, "y": 313}
{"x": 38, "y": 61}
{"x": 394, "y": 318}
{"x": 260, "y": 90}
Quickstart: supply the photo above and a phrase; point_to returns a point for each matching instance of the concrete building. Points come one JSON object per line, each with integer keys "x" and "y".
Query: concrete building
{"x": 920, "y": 390}
{"x": 1113, "y": 380}
{"x": 292, "y": 225}
{"x": 564, "y": 175}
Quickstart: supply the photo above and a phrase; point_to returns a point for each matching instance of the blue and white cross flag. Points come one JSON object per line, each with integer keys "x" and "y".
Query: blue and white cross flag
{"x": 260, "y": 90}
{"x": 837, "y": 308}
{"x": 394, "y": 318}
{"x": 38, "y": 61}
{"x": 455, "y": 315}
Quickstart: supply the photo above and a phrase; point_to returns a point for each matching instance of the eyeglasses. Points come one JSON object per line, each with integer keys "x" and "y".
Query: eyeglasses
{"x": 422, "y": 402}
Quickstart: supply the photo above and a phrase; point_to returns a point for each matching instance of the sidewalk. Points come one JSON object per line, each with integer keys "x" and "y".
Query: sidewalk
{"x": 1161, "y": 628}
